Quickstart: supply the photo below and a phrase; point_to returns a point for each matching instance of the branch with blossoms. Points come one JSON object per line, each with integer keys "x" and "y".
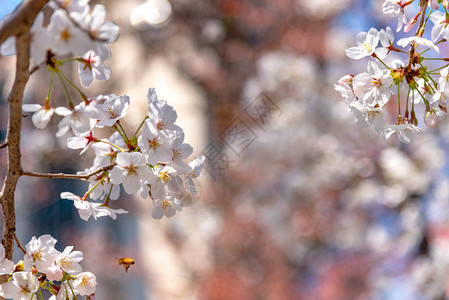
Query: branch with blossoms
{"x": 148, "y": 161}
{"x": 418, "y": 77}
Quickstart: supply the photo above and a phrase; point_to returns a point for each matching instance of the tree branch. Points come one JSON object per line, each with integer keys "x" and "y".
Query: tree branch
{"x": 3, "y": 145}
{"x": 13, "y": 141}
{"x": 21, "y": 19}
{"x": 67, "y": 176}
{"x": 17, "y": 24}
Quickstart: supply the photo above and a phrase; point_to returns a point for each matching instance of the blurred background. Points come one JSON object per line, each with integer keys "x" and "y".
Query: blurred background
{"x": 296, "y": 201}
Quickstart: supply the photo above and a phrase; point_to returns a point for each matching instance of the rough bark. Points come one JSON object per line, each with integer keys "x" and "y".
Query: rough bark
{"x": 17, "y": 24}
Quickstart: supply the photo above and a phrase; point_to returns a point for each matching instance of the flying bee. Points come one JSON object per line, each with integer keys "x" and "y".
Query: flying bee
{"x": 126, "y": 262}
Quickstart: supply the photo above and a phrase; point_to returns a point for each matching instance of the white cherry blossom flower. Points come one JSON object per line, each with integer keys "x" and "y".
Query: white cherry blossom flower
{"x": 440, "y": 25}
{"x": 166, "y": 207}
{"x": 344, "y": 87}
{"x": 155, "y": 144}
{"x": 6, "y": 266}
{"x": 79, "y": 119}
{"x": 395, "y": 9}
{"x": 404, "y": 131}
{"x": 386, "y": 37}
{"x": 65, "y": 36}
{"x": 419, "y": 41}
{"x": 180, "y": 151}
{"x": 366, "y": 44}
{"x": 87, "y": 208}
{"x": 423, "y": 89}
{"x": 105, "y": 153}
{"x": 373, "y": 88}
{"x": 22, "y": 287}
{"x": 42, "y": 114}
{"x": 131, "y": 171}
{"x": 196, "y": 167}
{"x": 85, "y": 283}
{"x": 366, "y": 116}
{"x": 69, "y": 260}
{"x": 102, "y": 32}
{"x": 151, "y": 95}
{"x": 82, "y": 141}
{"x": 91, "y": 66}
{"x": 167, "y": 183}
{"x": 112, "y": 109}
{"x": 40, "y": 253}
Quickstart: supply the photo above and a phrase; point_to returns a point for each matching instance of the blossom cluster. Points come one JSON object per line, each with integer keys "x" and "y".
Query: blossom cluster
{"x": 396, "y": 72}
{"x": 71, "y": 29}
{"x": 44, "y": 267}
{"x": 150, "y": 163}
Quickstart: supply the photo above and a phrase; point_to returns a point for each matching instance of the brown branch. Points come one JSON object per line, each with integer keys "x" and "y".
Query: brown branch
{"x": 13, "y": 140}
{"x": 3, "y": 145}
{"x": 19, "y": 244}
{"x": 21, "y": 19}
{"x": 17, "y": 24}
{"x": 67, "y": 176}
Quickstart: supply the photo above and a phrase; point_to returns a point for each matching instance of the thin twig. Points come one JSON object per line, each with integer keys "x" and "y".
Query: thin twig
{"x": 19, "y": 245}
{"x": 34, "y": 69}
{"x": 67, "y": 176}
{"x": 3, "y": 145}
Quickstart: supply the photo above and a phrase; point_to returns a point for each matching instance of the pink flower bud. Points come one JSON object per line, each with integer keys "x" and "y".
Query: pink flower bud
{"x": 347, "y": 79}
{"x": 434, "y": 4}
{"x": 411, "y": 23}
{"x": 431, "y": 119}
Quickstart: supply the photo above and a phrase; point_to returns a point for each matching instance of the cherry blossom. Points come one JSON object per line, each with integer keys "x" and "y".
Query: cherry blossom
{"x": 155, "y": 144}
{"x": 22, "y": 286}
{"x": 82, "y": 141}
{"x": 85, "y": 283}
{"x": 40, "y": 253}
{"x": 79, "y": 119}
{"x": 373, "y": 88}
{"x": 420, "y": 42}
{"x": 6, "y": 266}
{"x": 112, "y": 109}
{"x": 92, "y": 67}
{"x": 366, "y": 116}
{"x": 168, "y": 182}
{"x": 440, "y": 25}
{"x": 65, "y": 36}
{"x": 366, "y": 44}
{"x": 404, "y": 132}
{"x": 42, "y": 114}
{"x": 131, "y": 171}
{"x": 395, "y": 9}
{"x": 166, "y": 207}
{"x": 69, "y": 260}
{"x": 87, "y": 208}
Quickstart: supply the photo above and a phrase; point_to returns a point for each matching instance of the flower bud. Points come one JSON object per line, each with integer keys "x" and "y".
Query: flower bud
{"x": 411, "y": 23}
{"x": 431, "y": 119}
{"x": 347, "y": 79}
